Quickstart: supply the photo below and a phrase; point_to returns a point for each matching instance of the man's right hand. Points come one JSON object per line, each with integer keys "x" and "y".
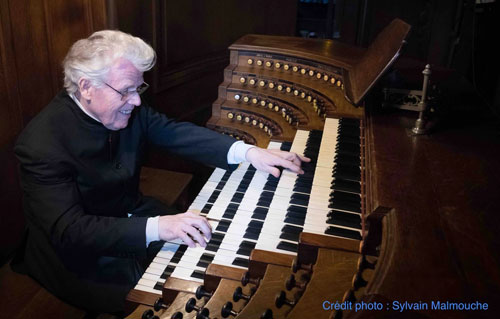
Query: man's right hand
{"x": 189, "y": 226}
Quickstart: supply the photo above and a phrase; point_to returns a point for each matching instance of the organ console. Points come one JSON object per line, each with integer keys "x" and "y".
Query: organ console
{"x": 282, "y": 246}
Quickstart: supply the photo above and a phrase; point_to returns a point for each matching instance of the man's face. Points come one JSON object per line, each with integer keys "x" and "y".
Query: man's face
{"x": 107, "y": 105}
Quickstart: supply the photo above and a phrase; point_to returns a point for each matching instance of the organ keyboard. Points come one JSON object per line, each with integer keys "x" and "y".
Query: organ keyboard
{"x": 304, "y": 93}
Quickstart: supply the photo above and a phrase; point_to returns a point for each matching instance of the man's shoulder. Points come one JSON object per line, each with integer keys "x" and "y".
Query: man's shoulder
{"x": 44, "y": 129}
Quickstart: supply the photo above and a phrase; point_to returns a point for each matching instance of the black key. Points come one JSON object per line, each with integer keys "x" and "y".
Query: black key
{"x": 347, "y": 160}
{"x": 343, "y": 205}
{"x": 299, "y": 201}
{"x": 203, "y": 264}
{"x": 241, "y": 189}
{"x": 272, "y": 181}
{"x": 198, "y": 274}
{"x": 242, "y": 262}
{"x": 346, "y": 186}
{"x": 218, "y": 236}
{"x": 206, "y": 209}
{"x": 304, "y": 184}
{"x": 178, "y": 254}
{"x": 228, "y": 215}
{"x": 214, "y": 196}
{"x": 167, "y": 272}
{"x": 205, "y": 260}
{"x": 211, "y": 247}
{"x": 291, "y": 229}
{"x": 251, "y": 235}
{"x": 347, "y": 130}
{"x": 336, "y": 217}
{"x": 286, "y": 146}
{"x": 347, "y": 149}
{"x": 352, "y": 169}
{"x": 232, "y": 207}
{"x": 237, "y": 197}
{"x": 347, "y": 174}
{"x": 249, "y": 173}
{"x": 259, "y": 216}
{"x": 297, "y": 215}
{"x": 226, "y": 176}
{"x": 244, "y": 251}
{"x": 302, "y": 189}
{"x": 251, "y": 230}
{"x": 221, "y": 185}
{"x": 159, "y": 286}
{"x": 264, "y": 203}
{"x": 342, "y": 232}
{"x": 300, "y": 196}
{"x": 266, "y": 194}
{"x": 270, "y": 187}
{"x": 350, "y": 139}
{"x": 294, "y": 221}
{"x": 290, "y": 236}
{"x": 247, "y": 244}
{"x": 207, "y": 257}
{"x": 223, "y": 225}
{"x": 284, "y": 245}
{"x": 256, "y": 224}
{"x": 260, "y": 210}
{"x": 297, "y": 209}
{"x": 343, "y": 196}
{"x": 215, "y": 241}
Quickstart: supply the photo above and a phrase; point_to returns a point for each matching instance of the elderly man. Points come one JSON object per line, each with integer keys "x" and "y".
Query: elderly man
{"x": 80, "y": 164}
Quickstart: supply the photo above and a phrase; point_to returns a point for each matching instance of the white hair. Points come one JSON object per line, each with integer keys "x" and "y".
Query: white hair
{"x": 93, "y": 57}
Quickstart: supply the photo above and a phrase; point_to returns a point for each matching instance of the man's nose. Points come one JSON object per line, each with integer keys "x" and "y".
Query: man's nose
{"x": 135, "y": 99}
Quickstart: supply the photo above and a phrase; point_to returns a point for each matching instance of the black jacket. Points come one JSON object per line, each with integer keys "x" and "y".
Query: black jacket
{"x": 80, "y": 180}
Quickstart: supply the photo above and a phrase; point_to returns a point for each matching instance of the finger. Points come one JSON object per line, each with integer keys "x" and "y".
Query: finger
{"x": 201, "y": 223}
{"x": 304, "y": 158}
{"x": 297, "y": 158}
{"x": 204, "y": 228}
{"x": 187, "y": 240}
{"x": 292, "y": 166}
{"x": 273, "y": 171}
{"x": 195, "y": 235}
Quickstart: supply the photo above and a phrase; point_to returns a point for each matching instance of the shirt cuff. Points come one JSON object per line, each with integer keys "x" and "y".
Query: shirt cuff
{"x": 152, "y": 230}
{"x": 238, "y": 152}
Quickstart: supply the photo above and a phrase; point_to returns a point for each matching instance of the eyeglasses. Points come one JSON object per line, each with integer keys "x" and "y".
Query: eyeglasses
{"x": 127, "y": 94}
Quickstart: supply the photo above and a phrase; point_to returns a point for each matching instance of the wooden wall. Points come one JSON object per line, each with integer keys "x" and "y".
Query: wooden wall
{"x": 191, "y": 39}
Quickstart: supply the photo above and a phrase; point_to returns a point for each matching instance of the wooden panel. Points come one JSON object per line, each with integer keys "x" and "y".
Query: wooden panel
{"x": 31, "y": 56}
{"x": 66, "y": 23}
{"x": 10, "y": 116}
{"x": 191, "y": 40}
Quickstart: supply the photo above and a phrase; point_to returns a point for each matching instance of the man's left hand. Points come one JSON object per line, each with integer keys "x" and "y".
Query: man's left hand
{"x": 267, "y": 160}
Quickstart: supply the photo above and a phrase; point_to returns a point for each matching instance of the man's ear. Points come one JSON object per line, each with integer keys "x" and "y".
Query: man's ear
{"x": 86, "y": 89}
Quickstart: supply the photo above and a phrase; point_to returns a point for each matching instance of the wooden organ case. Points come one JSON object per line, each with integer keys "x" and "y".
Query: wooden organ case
{"x": 276, "y": 85}
{"x": 300, "y": 95}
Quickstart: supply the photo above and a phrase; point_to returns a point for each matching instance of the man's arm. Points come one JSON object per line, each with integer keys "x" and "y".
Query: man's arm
{"x": 186, "y": 139}
{"x": 52, "y": 204}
